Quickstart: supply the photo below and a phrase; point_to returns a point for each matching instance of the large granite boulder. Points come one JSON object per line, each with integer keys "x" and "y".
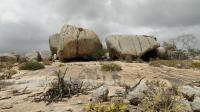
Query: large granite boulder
{"x": 45, "y": 55}
{"x": 123, "y": 46}
{"x": 54, "y": 42}
{"x": 33, "y": 56}
{"x": 8, "y": 58}
{"x": 75, "y": 42}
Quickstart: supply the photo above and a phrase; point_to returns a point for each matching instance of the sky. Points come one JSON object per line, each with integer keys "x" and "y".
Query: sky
{"x": 26, "y": 25}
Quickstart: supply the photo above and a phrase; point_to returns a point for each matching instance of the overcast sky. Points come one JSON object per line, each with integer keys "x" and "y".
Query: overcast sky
{"x": 25, "y": 25}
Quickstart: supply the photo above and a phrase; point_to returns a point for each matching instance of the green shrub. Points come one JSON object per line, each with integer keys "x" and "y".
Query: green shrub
{"x": 115, "y": 106}
{"x": 98, "y": 55}
{"x": 196, "y": 65}
{"x": 160, "y": 98}
{"x": 32, "y": 65}
{"x": 110, "y": 67}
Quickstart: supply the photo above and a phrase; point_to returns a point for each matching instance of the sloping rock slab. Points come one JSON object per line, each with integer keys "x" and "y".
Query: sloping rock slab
{"x": 123, "y": 46}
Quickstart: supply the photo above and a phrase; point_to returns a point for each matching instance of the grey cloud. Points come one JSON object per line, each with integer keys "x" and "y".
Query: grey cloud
{"x": 21, "y": 37}
{"x": 37, "y": 19}
{"x": 159, "y": 13}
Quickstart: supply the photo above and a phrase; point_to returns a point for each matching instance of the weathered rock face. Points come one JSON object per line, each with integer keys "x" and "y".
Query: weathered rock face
{"x": 8, "y": 58}
{"x": 54, "y": 42}
{"x": 122, "y": 46}
{"x": 45, "y": 55}
{"x": 33, "y": 56}
{"x": 75, "y": 42}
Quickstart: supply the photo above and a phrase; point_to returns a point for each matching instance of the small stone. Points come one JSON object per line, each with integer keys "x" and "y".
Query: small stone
{"x": 5, "y": 98}
{"x": 101, "y": 94}
{"x": 126, "y": 101}
{"x": 80, "y": 102}
{"x": 179, "y": 66}
{"x": 40, "y": 111}
{"x": 69, "y": 110}
{"x": 7, "y": 107}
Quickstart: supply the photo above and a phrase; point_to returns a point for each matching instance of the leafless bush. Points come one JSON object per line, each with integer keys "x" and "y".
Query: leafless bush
{"x": 61, "y": 88}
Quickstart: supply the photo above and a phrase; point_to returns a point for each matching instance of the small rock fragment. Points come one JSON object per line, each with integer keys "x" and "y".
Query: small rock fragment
{"x": 101, "y": 94}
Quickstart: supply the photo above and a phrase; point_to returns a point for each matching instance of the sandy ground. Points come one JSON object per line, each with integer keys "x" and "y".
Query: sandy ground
{"x": 37, "y": 81}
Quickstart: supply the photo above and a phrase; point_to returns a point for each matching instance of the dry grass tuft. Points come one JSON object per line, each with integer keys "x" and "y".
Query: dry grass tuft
{"x": 160, "y": 98}
{"x": 114, "y": 106}
{"x": 110, "y": 67}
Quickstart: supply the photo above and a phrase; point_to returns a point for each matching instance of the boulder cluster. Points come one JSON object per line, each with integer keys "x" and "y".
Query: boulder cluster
{"x": 75, "y": 42}
{"x": 79, "y": 43}
{"x": 30, "y": 56}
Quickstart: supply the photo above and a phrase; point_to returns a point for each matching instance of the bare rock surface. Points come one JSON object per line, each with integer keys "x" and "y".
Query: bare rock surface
{"x": 19, "y": 92}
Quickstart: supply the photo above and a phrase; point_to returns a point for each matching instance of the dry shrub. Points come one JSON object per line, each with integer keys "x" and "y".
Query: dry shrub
{"x": 196, "y": 65}
{"x": 7, "y": 74}
{"x": 160, "y": 98}
{"x": 114, "y": 106}
{"x": 60, "y": 88}
{"x": 110, "y": 67}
